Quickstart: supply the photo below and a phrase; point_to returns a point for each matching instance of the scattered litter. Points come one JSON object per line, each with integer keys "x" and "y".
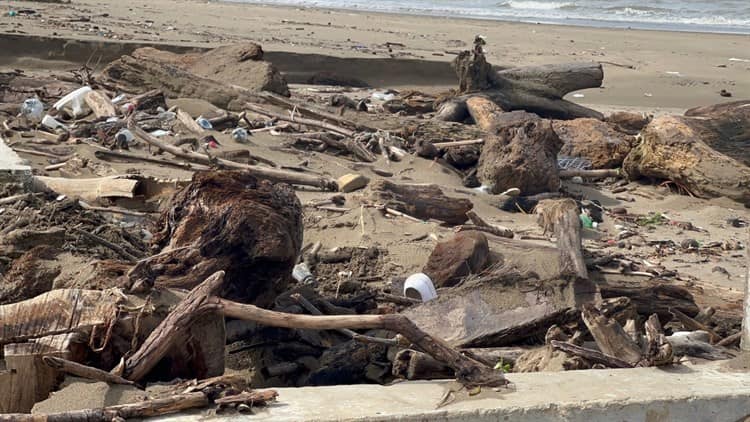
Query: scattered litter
{"x": 419, "y": 286}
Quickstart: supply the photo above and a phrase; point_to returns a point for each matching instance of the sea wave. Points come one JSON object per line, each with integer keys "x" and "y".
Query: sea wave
{"x": 535, "y": 5}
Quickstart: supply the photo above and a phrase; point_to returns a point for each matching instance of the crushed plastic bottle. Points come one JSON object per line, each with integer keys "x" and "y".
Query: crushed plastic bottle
{"x": 382, "y": 96}
{"x": 586, "y": 221}
{"x": 240, "y": 135}
{"x": 33, "y": 110}
{"x": 301, "y": 272}
{"x": 204, "y": 123}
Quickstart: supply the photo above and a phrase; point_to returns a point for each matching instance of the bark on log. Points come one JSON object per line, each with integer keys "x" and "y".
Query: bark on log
{"x": 561, "y": 218}
{"x": 610, "y": 336}
{"x": 536, "y": 89}
{"x": 705, "y": 153}
{"x": 262, "y": 172}
{"x": 420, "y": 201}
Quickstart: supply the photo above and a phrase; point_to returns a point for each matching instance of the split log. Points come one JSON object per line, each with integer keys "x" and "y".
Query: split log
{"x": 610, "y": 337}
{"x": 537, "y": 89}
{"x": 593, "y": 356}
{"x": 88, "y": 189}
{"x": 84, "y": 371}
{"x": 144, "y": 409}
{"x": 561, "y": 218}
{"x": 657, "y": 351}
{"x": 263, "y": 172}
{"x": 521, "y": 153}
{"x": 704, "y": 152}
{"x": 100, "y": 104}
{"x": 188, "y": 122}
{"x": 422, "y": 201}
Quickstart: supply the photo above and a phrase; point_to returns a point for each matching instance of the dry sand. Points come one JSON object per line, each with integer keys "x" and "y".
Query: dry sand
{"x": 652, "y": 85}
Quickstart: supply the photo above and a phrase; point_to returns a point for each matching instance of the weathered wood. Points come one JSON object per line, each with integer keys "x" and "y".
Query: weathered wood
{"x": 590, "y": 174}
{"x": 308, "y": 111}
{"x": 610, "y": 336}
{"x": 144, "y": 409}
{"x": 657, "y": 351}
{"x": 491, "y": 228}
{"x": 483, "y": 111}
{"x": 653, "y": 297}
{"x": 109, "y": 155}
{"x": 594, "y": 356}
{"x": 27, "y": 380}
{"x": 414, "y": 365}
{"x": 537, "y": 89}
{"x": 100, "y": 104}
{"x": 172, "y": 328}
{"x": 249, "y": 397}
{"x": 272, "y": 174}
{"x": 88, "y": 189}
{"x": 187, "y": 121}
{"x": 422, "y": 201}
{"x": 300, "y": 120}
{"x": 691, "y": 324}
{"x": 104, "y": 242}
{"x": 458, "y": 143}
{"x": 561, "y": 218}
{"x": 84, "y": 371}
{"x": 745, "y": 336}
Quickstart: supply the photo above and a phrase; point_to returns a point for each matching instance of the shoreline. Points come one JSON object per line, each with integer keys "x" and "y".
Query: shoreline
{"x": 645, "y": 69}
{"x": 580, "y": 23}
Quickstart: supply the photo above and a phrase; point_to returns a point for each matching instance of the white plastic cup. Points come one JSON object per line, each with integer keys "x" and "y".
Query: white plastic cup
{"x": 50, "y": 122}
{"x": 419, "y": 286}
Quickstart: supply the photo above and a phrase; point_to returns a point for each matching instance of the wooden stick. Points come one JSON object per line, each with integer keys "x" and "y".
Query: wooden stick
{"x": 491, "y": 228}
{"x": 144, "y": 409}
{"x": 398, "y": 300}
{"x": 468, "y": 371}
{"x": 267, "y": 173}
{"x": 458, "y": 143}
{"x": 745, "y": 341}
{"x": 590, "y": 174}
{"x": 302, "y": 301}
{"x": 189, "y": 123}
{"x": 104, "y": 242}
{"x": 134, "y": 157}
{"x": 84, "y": 371}
{"x": 592, "y": 355}
{"x": 300, "y": 120}
{"x": 693, "y": 325}
{"x": 15, "y": 198}
{"x": 310, "y": 112}
{"x": 114, "y": 210}
{"x": 172, "y": 328}
{"x": 730, "y": 340}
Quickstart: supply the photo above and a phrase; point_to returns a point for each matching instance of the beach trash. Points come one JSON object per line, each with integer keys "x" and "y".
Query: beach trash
{"x": 240, "y": 135}
{"x": 419, "y": 286}
{"x": 75, "y": 102}
{"x": 301, "y": 272}
{"x": 33, "y": 110}
{"x": 124, "y": 137}
{"x": 50, "y": 123}
{"x": 204, "y": 123}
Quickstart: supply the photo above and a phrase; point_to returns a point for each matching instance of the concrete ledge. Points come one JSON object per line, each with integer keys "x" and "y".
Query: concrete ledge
{"x": 683, "y": 393}
{"x": 13, "y": 169}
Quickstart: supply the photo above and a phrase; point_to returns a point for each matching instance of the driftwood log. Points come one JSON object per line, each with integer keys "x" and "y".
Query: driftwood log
{"x": 561, "y": 218}
{"x": 422, "y": 201}
{"x": 536, "y": 89}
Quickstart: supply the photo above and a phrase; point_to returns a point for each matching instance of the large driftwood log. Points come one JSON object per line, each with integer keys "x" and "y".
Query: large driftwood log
{"x": 705, "y": 152}
{"x": 88, "y": 189}
{"x": 420, "y": 201}
{"x": 537, "y": 89}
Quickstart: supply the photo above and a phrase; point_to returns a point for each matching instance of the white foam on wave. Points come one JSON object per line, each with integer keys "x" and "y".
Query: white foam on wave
{"x": 535, "y": 5}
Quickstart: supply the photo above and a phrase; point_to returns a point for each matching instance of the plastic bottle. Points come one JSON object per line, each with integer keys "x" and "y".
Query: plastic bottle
{"x": 204, "y": 123}
{"x": 75, "y": 102}
{"x": 124, "y": 137}
{"x": 240, "y": 135}
{"x": 33, "y": 110}
{"x": 586, "y": 221}
{"x": 301, "y": 273}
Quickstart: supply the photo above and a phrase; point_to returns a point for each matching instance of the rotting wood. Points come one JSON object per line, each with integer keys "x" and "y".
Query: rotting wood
{"x": 298, "y": 107}
{"x": 104, "y": 242}
{"x": 419, "y": 201}
{"x": 189, "y": 123}
{"x": 262, "y": 172}
{"x": 105, "y": 155}
{"x": 691, "y": 324}
{"x": 88, "y": 189}
{"x": 100, "y": 104}
{"x": 658, "y": 351}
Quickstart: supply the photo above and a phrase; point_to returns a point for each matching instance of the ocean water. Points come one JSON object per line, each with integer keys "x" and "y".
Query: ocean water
{"x": 681, "y": 15}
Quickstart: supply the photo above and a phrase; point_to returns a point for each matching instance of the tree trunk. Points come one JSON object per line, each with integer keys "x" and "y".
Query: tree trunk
{"x": 561, "y": 218}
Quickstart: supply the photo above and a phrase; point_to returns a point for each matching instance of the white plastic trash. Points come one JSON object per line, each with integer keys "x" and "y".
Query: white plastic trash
{"x": 419, "y": 286}
{"x": 33, "y": 110}
{"x": 124, "y": 137}
{"x": 50, "y": 123}
{"x": 301, "y": 272}
{"x": 75, "y": 102}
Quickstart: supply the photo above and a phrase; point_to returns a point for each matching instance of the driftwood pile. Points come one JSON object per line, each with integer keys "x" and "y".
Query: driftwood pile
{"x": 208, "y": 269}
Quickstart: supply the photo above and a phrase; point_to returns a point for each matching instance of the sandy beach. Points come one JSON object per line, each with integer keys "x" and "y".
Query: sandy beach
{"x": 647, "y": 70}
